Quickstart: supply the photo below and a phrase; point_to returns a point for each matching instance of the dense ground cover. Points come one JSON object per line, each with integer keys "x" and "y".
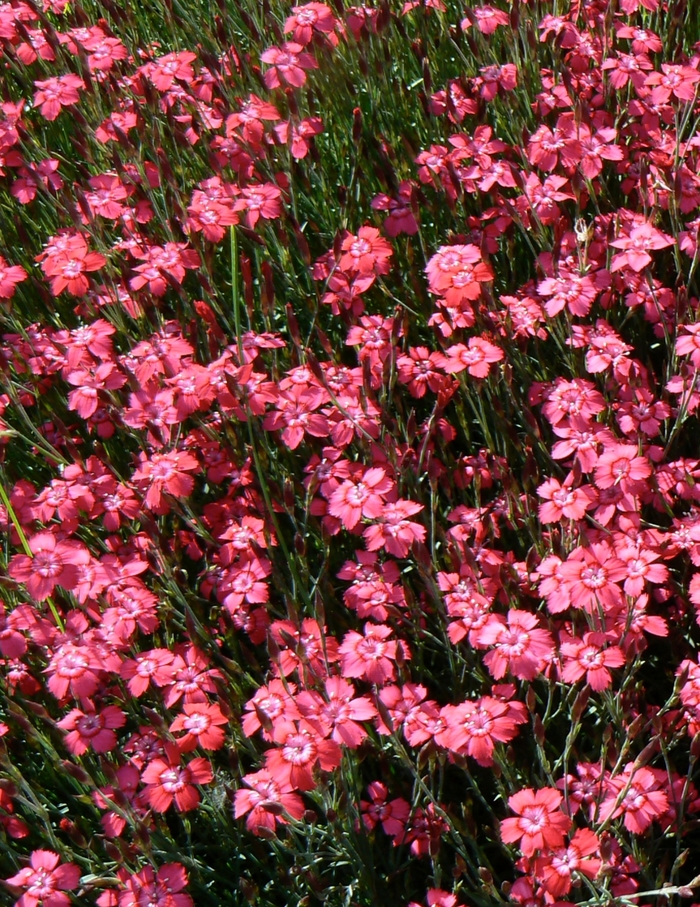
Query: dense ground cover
{"x": 349, "y": 367}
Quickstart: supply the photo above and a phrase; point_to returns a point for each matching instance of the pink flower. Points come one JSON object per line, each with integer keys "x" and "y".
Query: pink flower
{"x": 520, "y": 646}
{"x": 393, "y": 529}
{"x": 167, "y": 780}
{"x": 161, "y": 889}
{"x": 590, "y": 575}
{"x": 564, "y": 501}
{"x": 67, "y": 261}
{"x": 477, "y": 357}
{"x": 392, "y": 814}
{"x": 154, "y": 666}
{"x": 307, "y": 19}
{"x": 10, "y": 276}
{"x": 45, "y": 881}
{"x": 56, "y": 93}
{"x": 266, "y": 801}
{"x": 474, "y": 728}
{"x": 287, "y": 65}
{"x": 339, "y": 714}
{"x": 642, "y": 802}
{"x": 91, "y": 729}
{"x": 688, "y": 344}
{"x": 372, "y": 656}
{"x": 366, "y": 253}
{"x": 556, "y": 869}
{"x": 589, "y": 658}
{"x": 488, "y": 18}
{"x": 539, "y": 824}
{"x": 203, "y": 724}
{"x": 271, "y": 703}
{"x": 54, "y": 563}
{"x": 641, "y": 239}
{"x": 165, "y": 70}
{"x": 364, "y": 498}
{"x": 621, "y": 465}
{"x": 300, "y": 751}
{"x": 166, "y": 472}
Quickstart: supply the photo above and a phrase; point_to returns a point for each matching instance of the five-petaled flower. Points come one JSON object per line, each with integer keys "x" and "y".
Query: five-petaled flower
{"x": 540, "y": 823}
{"x": 45, "y": 881}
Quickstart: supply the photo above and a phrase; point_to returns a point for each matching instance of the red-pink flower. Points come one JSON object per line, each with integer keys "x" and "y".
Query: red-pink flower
{"x": 540, "y": 823}
{"x": 621, "y": 465}
{"x": 300, "y": 751}
{"x": 564, "y": 501}
{"x": 166, "y": 472}
{"x": 488, "y": 18}
{"x": 67, "y": 263}
{"x": 53, "y": 563}
{"x": 366, "y": 253}
{"x": 259, "y": 201}
{"x": 288, "y": 65}
{"x": 271, "y": 703}
{"x": 636, "y": 246}
{"x": 474, "y": 728}
{"x": 688, "y": 344}
{"x": 10, "y": 276}
{"x": 56, "y": 93}
{"x": 520, "y": 645}
{"x": 364, "y": 498}
{"x": 165, "y": 70}
{"x": 392, "y": 814}
{"x": 162, "y": 889}
{"x": 339, "y": 713}
{"x": 590, "y": 576}
{"x": 153, "y": 666}
{"x": 590, "y": 658}
{"x": 477, "y": 357}
{"x": 372, "y": 656}
{"x": 307, "y": 19}
{"x": 44, "y": 881}
{"x": 636, "y": 794}
{"x": 266, "y": 800}
{"x": 203, "y": 725}
{"x": 557, "y": 869}
{"x": 167, "y": 780}
{"x": 296, "y": 416}
{"x": 394, "y": 531}
{"x": 92, "y": 729}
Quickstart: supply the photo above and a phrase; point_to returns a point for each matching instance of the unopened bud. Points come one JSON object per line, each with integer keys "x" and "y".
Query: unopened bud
{"x": 580, "y": 704}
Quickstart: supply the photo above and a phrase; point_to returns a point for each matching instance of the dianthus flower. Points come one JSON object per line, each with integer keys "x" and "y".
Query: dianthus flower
{"x": 288, "y": 65}
{"x": 394, "y": 531}
{"x": 266, "y": 800}
{"x": 92, "y": 729}
{"x": 10, "y": 276}
{"x": 520, "y": 645}
{"x": 45, "y": 881}
{"x": 635, "y": 793}
{"x": 372, "y": 656}
{"x": 590, "y": 658}
{"x": 540, "y": 823}
{"x": 53, "y": 563}
{"x": 300, "y": 751}
{"x": 167, "y": 780}
{"x": 366, "y": 253}
{"x": 557, "y": 869}
{"x": 56, "y": 93}
{"x": 474, "y": 728}
{"x": 163, "y": 889}
{"x": 620, "y": 464}
{"x": 203, "y": 725}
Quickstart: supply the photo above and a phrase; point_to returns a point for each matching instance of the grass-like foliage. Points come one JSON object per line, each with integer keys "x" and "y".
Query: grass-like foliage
{"x": 349, "y": 407}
